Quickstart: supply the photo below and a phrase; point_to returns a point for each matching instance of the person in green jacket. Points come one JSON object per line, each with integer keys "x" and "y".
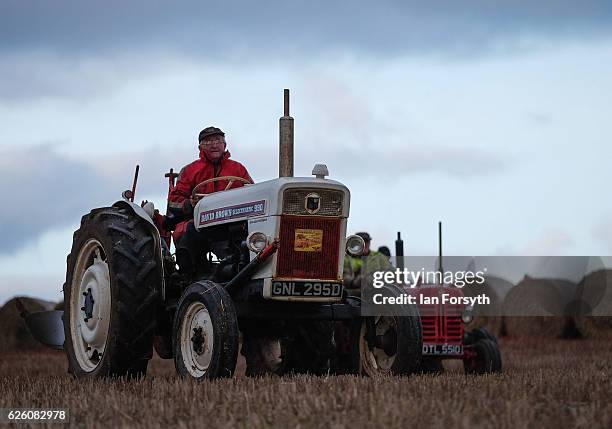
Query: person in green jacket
{"x": 359, "y": 270}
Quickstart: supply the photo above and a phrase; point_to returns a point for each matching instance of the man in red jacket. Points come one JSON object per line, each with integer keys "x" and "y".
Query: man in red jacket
{"x": 213, "y": 162}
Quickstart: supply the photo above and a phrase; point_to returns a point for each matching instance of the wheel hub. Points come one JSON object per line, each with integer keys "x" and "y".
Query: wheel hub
{"x": 387, "y": 342}
{"x": 198, "y": 340}
{"x": 88, "y": 305}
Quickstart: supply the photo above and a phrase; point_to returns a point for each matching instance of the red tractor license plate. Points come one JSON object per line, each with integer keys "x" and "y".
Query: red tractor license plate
{"x": 442, "y": 349}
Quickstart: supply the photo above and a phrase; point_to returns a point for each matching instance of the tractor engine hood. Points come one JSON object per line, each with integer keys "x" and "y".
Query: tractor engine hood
{"x": 258, "y": 200}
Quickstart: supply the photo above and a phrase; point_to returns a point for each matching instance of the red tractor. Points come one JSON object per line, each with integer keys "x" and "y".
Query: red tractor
{"x": 443, "y": 328}
{"x": 444, "y": 335}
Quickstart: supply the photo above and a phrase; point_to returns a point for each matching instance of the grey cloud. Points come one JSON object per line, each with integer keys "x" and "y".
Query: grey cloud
{"x": 24, "y": 76}
{"x": 79, "y": 49}
{"x": 237, "y": 29}
{"x": 43, "y": 190}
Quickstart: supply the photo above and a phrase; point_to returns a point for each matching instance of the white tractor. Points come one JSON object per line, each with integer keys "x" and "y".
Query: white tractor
{"x": 270, "y": 272}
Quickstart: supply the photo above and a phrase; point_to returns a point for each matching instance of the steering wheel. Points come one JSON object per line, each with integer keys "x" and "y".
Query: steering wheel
{"x": 195, "y": 196}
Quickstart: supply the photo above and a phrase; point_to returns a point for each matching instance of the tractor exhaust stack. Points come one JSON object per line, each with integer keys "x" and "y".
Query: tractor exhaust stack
{"x": 285, "y": 155}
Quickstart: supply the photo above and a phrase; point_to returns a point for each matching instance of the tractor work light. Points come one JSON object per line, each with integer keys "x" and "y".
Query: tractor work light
{"x": 468, "y": 314}
{"x": 257, "y": 241}
{"x": 355, "y": 245}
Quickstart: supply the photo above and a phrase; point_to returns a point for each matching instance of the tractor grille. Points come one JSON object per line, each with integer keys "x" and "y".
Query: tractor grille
{"x": 294, "y": 202}
{"x": 441, "y": 323}
{"x": 322, "y": 264}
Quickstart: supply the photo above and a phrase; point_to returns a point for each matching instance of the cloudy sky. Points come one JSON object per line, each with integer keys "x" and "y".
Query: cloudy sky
{"x": 491, "y": 116}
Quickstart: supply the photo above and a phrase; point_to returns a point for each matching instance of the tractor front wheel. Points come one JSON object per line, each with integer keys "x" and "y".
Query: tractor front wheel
{"x": 205, "y": 333}
{"x": 486, "y": 358}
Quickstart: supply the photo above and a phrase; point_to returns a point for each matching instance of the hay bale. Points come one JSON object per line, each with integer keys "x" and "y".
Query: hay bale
{"x": 537, "y": 307}
{"x": 14, "y": 334}
{"x": 595, "y": 294}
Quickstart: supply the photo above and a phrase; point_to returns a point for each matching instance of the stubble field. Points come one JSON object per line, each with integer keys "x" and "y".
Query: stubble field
{"x": 546, "y": 383}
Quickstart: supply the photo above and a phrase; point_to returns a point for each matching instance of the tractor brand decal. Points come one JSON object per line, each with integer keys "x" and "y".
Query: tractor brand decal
{"x": 312, "y": 203}
{"x": 308, "y": 240}
{"x": 254, "y": 208}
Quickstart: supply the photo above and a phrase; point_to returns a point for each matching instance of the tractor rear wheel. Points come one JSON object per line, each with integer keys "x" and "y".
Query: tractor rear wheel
{"x": 205, "y": 332}
{"x": 111, "y": 295}
{"x": 389, "y": 344}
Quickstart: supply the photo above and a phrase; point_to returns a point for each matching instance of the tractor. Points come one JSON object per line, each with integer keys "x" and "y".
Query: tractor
{"x": 443, "y": 327}
{"x": 270, "y": 279}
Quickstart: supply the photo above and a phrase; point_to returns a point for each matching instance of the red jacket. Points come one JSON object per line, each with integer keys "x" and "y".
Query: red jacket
{"x": 197, "y": 172}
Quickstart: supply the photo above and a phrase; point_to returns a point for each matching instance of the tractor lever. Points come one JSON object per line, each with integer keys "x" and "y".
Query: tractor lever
{"x": 129, "y": 194}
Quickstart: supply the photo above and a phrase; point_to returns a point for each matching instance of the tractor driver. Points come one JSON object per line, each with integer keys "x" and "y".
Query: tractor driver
{"x": 213, "y": 162}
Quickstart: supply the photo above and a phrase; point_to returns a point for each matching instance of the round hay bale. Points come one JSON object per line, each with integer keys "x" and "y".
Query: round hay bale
{"x": 14, "y": 335}
{"x": 536, "y": 307}
{"x": 595, "y": 294}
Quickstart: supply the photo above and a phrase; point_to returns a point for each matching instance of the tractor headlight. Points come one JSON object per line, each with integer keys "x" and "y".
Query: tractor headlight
{"x": 257, "y": 241}
{"x": 468, "y": 314}
{"x": 355, "y": 245}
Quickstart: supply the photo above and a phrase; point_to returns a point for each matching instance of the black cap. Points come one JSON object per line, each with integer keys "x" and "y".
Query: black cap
{"x": 366, "y": 237}
{"x": 210, "y": 131}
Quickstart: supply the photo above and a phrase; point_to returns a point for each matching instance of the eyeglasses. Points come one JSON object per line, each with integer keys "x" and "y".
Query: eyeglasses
{"x": 218, "y": 142}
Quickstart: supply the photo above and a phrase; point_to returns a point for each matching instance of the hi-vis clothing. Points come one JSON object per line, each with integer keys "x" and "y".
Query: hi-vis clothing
{"x": 359, "y": 271}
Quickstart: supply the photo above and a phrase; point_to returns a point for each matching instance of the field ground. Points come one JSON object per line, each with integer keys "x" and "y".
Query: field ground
{"x": 546, "y": 383}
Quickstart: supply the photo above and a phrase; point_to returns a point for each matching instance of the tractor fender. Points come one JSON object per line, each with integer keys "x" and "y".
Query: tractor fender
{"x": 141, "y": 213}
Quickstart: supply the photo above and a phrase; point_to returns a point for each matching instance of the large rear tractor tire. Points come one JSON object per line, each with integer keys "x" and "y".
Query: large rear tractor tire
{"x": 389, "y": 344}
{"x": 112, "y": 289}
{"x": 205, "y": 333}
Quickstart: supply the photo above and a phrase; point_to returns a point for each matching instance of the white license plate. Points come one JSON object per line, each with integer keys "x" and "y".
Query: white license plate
{"x": 306, "y": 289}
{"x": 442, "y": 349}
